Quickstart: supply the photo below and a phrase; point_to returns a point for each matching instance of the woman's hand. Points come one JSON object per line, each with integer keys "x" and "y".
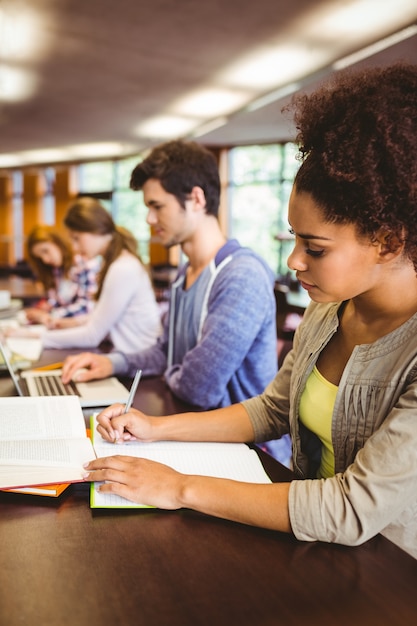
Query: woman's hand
{"x": 118, "y": 427}
{"x": 139, "y": 480}
{"x": 38, "y": 316}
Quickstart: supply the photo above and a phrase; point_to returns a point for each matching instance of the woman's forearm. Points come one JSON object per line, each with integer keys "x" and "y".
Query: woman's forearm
{"x": 229, "y": 424}
{"x": 254, "y": 504}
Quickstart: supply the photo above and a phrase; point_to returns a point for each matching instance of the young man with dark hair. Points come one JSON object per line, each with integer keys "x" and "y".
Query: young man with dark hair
{"x": 218, "y": 345}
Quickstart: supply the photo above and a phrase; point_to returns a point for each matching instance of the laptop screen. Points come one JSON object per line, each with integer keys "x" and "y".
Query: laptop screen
{"x": 10, "y": 369}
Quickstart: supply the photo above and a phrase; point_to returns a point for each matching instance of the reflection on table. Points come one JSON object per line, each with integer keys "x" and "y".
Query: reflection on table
{"x": 63, "y": 563}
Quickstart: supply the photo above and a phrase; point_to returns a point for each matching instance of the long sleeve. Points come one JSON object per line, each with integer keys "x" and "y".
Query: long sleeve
{"x": 236, "y": 354}
{"x": 152, "y": 361}
{"x": 126, "y": 310}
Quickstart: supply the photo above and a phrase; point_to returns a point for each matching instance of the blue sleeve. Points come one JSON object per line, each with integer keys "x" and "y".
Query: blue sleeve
{"x": 151, "y": 361}
{"x": 240, "y": 308}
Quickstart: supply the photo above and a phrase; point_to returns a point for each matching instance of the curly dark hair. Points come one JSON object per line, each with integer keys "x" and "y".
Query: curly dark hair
{"x": 357, "y": 138}
{"x": 179, "y": 166}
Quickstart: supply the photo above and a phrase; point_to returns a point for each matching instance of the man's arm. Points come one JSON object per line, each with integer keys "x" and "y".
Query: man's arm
{"x": 241, "y": 315}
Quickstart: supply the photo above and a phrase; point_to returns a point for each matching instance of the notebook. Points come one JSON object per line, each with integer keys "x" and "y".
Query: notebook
{"x": 95, "y": 393}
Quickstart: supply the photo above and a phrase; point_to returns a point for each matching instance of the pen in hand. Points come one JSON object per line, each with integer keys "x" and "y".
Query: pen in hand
{"x": 133, "y": 391}
{"x": 129, "y": 401}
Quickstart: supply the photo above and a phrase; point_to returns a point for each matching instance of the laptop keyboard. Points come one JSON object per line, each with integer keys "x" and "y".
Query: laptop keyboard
{"x": 53, "y": 386}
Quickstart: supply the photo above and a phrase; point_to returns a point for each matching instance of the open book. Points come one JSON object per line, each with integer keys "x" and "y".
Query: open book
{"x": 43, "y": 440}
{"x": 222, "y": 460}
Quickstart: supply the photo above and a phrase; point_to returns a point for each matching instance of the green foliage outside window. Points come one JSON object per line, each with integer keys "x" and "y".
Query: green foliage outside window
{"x": 126, "y": 206}
{"x": 259, "y": 188}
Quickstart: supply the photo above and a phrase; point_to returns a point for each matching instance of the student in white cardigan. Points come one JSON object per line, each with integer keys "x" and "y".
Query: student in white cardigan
{"x": 126, "y": 312}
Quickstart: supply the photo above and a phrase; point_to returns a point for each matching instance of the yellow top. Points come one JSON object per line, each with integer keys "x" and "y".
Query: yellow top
{"x": 316, "y": 410}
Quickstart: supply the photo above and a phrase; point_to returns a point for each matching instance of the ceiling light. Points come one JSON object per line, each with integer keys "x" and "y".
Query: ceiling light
{"x": 274, "y": 66}
{"x": 19, "y": 33}
{"x": 11, "y": 160}
{"x": 211, "y": 102}
{"x": 15, "y": 84}
{"x": 165, "y": 127}
{"x": 99, "y": 150}
{"x": 49, "y": 155}
{"x": 67, "y": 153}
{"x": 369, "y": 18}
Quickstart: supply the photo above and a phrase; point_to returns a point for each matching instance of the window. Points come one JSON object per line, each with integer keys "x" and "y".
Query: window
{"x": 259, "y": 187}
{"x": 49, "y": 198}
{"x": 96, "y": 177}
{"x": 17, "y": 213}
{"x": 108, "y": 181}
{"x": 129, "y": 210}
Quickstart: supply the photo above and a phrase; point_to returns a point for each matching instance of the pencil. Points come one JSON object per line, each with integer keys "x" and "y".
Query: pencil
{"x": 133, "y": 391}
{"x": 51, "y": 366}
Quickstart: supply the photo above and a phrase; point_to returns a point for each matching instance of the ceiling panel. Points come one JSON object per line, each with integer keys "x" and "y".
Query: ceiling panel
{"x": 101, "y": 67}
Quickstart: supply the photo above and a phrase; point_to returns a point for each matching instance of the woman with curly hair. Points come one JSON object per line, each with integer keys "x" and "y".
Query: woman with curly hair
{"x": 126, "y": 312}
{"x": 347, "y": 392}
{"x": 69, "y": 280}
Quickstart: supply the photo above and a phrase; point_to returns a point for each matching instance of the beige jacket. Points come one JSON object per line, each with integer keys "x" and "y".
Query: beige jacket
{"x": 374, "y": 434}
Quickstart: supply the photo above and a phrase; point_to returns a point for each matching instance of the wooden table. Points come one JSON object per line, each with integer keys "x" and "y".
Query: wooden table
{"x": 63, "y": 564}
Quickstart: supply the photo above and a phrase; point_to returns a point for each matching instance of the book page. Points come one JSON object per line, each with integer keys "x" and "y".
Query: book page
{"x": 222, "y": 460}
{"x": 41, "y": 462}
{"x": 46, "y": 453}
{"x": 42, "y": 440}
{"x": 41, "y": 418}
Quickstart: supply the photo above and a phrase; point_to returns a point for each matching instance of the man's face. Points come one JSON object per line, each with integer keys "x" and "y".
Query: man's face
{"x": 171, "y": 222}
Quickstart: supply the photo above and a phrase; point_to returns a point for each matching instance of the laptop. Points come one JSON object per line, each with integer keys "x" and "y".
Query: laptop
{"x": 96, "y": 393}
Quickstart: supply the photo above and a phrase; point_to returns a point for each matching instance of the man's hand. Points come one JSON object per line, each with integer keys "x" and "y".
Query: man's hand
{"x": 93, "y": 366}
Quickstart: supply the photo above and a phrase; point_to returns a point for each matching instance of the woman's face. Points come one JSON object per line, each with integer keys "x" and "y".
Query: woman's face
{"x": 89, "y": 245}
{"x": 48, "y": 252}
{"x": 331, "y": 262}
